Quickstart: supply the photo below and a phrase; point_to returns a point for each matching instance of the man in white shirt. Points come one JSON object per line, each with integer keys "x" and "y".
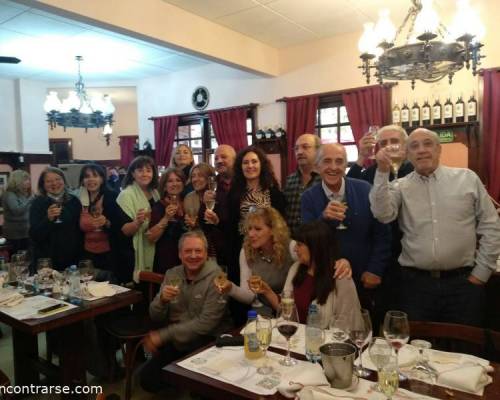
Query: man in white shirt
{"x": 441, "y": 211}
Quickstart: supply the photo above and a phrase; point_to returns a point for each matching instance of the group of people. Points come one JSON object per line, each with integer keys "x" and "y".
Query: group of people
{"x": 408, "y": 241}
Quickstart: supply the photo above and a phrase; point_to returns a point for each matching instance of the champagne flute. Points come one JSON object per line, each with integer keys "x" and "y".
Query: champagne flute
{"x": 255, "y": 283}
{"x": 43, "y": 265}
{"x": 173, "y": 201}
{"x": 288, "y": 324}
{"x": 210, "y": 197}
{"x": 264, "y": 336}
{"x": 175, "y": 281}
{"x": 220, "y": 281}
{"x": 342, "y": 202}
{"x": 396, "y": 331}
{"x": 396, "y": 155}
{"x": 95, "y": 211}
{"x": 360, "y": 335}
{"x": 372, "y": 131}
{"x": 339, "y": 328}
{"x": 388, "y": 381}
{"x": 380, "y": 354}
{"x": 59, "y": 204}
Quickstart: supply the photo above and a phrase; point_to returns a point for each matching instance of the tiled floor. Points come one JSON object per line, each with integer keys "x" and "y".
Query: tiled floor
{"x": 7, "y": 366}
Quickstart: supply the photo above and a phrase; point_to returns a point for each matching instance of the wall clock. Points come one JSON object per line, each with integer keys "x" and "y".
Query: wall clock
{"x": 200, "y": 98}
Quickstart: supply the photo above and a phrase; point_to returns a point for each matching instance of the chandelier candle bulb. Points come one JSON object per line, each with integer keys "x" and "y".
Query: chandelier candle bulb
{"x": 460, "y": 110}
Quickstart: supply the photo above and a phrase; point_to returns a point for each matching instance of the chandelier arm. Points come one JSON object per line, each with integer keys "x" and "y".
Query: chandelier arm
{"x": 412, "y": 11}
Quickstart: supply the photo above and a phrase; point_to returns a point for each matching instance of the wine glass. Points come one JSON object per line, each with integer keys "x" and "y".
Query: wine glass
{"x": 44, "y": 275}
{"x": 254, "y": 283}
{"x": 396, "y": 155}
{"x": 175, "y": 281}
{"x": 264, "y": 335}
{"x": 59, "y": 204}
{"x": 21, "y": 271}
{"x": 87, "y": 271}
{"x": 173, "y": 200}
{"x": 372, "y": 131}
{"x": 96, "y": 211}
{"x": 396, "y": 331}
{"x": 210, "y": 196}
{"x": 339, "y": 327}
{"x": 388, "y": 381}
{"x": 380, "y": 354}
{"x": 342, "y": 201}
{"x": 360, "y": 335}
{"x": 220, "y": 281}
{"x": 287, "y": 324}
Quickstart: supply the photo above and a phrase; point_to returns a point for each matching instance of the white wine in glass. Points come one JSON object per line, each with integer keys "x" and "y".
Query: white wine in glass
{"x": 264, "y": 336}
{"x": 254, "y": 284}
{"x": 388, "y": 380}
{"x": 396, "y": 331}
{"x": 174, "y": 281}
{"x": 396, "y": 156}
{"x": 220, "y": 281}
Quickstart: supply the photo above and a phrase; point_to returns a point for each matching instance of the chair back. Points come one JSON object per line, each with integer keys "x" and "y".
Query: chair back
{"x": 153, "y": 282}
{"x": 493, "y": 341}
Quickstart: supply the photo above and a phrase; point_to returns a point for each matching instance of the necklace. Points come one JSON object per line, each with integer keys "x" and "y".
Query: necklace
{"x": 265, "y": 258}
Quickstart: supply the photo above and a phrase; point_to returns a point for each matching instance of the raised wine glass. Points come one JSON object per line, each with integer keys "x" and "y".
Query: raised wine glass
{"x": 220, "y": 281}
{"x": 95, "y": 211}
{"x": 396, "y": 154}
{"x": 361, "y": 335}
{"x": 341, "y": 201}
{"x": 210, "y": 196}
{"x": 59, "y": 204}
{"x": 254, "y": 283}
{"x": 287, "y": 323}
{"x": 175, "y": 281}
{"x": 396, "y": 332}
{"x": 173, "y": 201}
{"x": 264, "y": 335}
{"x": 373, "y": 132}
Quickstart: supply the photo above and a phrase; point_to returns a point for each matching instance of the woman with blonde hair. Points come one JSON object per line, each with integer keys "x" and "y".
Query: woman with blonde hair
{"x": 16, "y": 202}
{"x": 183, "y": 160}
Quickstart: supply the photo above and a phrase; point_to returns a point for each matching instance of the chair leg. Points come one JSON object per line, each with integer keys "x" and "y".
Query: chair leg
{"x": 129, "y": 366}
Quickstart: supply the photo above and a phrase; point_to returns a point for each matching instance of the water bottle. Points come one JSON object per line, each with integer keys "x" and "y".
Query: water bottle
{"x": 251, "y": 342}
{"x": 314, "y": 334}
{"x": 75, "y": 289}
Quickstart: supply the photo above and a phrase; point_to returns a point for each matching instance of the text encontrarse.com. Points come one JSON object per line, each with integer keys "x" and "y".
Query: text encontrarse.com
{"x": 49, "y": 389}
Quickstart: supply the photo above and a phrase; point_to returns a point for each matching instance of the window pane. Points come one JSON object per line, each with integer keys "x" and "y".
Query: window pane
{"x": 328, "y": 115}
{"x": 196, "y": 144}
{"x": 346, "y": 134}
{"x": 183, "y": 132}
{"x": 211, "y": 159}
{"x": 197, "y": 158}
{"x": 213, "y": 143}
{"x": 196, "y": 131}
{"x": 352, "y": 153}
{"x": 317, "y": 117}
{"x": 211, "y": 129}
{"x": 249, "y": 140}
{"x": 249, "y": 125}
{"x": 186, "y": 142}
{"x": 343, "y": 115}
{"x": 329, "y": 135}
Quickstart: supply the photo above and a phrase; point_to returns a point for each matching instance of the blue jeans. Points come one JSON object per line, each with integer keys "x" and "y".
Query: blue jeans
{"x": 449, "y": 299}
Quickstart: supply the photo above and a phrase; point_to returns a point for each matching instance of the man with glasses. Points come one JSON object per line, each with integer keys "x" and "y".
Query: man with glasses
{"x": 387, "y": 135}
{"x": 306, "y": 147}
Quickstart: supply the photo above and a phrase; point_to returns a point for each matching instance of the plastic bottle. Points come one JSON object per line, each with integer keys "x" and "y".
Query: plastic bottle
{"x": 75, "y": 289}
{"x": 251, "y": 342}
{"x": 314, "y": 334}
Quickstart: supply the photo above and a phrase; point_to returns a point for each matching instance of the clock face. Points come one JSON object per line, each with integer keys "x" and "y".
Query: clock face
{"x": 200, "y": 98}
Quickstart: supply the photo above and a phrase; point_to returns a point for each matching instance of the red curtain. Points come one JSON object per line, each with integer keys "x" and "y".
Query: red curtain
{"x": 165, "y": 129}
{"x": 127, "y": 144}
{"x": 491, "y": 130}
{"x": 300, "y": 118}
{"x": 230, "y": 127}
{"x": 367, "y": 106}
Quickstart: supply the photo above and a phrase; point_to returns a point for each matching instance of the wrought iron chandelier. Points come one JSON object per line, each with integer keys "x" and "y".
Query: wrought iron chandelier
{"x": 78, "y": 111}
{"x": 429, "y": 51}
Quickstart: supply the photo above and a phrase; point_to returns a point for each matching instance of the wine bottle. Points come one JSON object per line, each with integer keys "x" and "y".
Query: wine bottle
{"x": 472, "y": 108}
{"x": 459, "y": 110}
{"x": 436, "y": 112}
{"x": 448, "y": 111}
{"x": 405, "y": 116}
{"x": 415, "y": 114}
{"x": 396, "y": 114}
{"x": 426, "y": 113}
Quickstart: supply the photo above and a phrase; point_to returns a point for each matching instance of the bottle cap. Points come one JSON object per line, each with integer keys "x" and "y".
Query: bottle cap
{"x": 313, "y": 308}
{"x": 252, "y": 314}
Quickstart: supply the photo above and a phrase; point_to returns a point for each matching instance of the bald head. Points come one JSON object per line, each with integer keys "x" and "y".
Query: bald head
{"x": 424, "y": 151}
{"x": 224, "y": 159}
{"x": 331, "y": 163}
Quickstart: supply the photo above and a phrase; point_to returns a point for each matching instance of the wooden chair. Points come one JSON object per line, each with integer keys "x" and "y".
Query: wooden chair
{"x": 131, "y": 328}
{"x": 493, "y": 341}
{"x": 451, "y": 337}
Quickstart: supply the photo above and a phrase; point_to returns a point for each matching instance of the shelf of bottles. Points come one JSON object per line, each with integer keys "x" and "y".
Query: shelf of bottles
{"x": 435, "y": 114}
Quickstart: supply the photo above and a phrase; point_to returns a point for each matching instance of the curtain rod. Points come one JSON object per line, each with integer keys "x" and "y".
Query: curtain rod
{"x": 483, "y": 70}
{"x": 335, "y": 92}
{"x": 200, "y": 113}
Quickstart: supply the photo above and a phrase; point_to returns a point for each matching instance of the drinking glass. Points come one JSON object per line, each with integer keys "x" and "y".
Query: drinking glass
{"x": 87, "y": 271}
{"x": 287, "y": 323}
{"x": 396, "y": 154}
{"x": 21, "y": 270}
{"x": 339, "y": 327}
{"x": 96, "y": 211}
{"x": 175, "y": 281}
{"x": 59, "y": 203}
{"x": 380, "y": 354}
{"x": 388, "y": 381}
{"x": 210, "y": 198}
{"x": 422, "y": 365}
{"x": 343, "y": 202}
{"x": 254, "y": 284}
{"x": 396, "y": 331}
{"x": 220, "y": 281}
{"x": 372, "y": 131}
{"x": 360, "y": 335}
{"x": 173, "y": 201}
{"x": 264, "y": 335}
{"x": 44, "y": 275}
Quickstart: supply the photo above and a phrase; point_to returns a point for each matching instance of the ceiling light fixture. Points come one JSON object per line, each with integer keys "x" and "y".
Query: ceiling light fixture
{"x": 420, "y": 55}
{"x": 78, "y": 111}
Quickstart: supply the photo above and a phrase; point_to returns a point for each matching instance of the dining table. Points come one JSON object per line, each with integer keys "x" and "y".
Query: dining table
{"x": 68, "y": 326}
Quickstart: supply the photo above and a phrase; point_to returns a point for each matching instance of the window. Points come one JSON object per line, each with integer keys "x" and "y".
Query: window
{"x": 196, "y": 132}
{"x": 332, "y": 125}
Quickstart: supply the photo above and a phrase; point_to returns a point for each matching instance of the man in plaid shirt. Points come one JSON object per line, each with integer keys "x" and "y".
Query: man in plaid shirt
{"x": 306, "y": 147}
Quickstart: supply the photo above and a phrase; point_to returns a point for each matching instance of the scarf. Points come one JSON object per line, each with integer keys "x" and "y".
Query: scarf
{"x": 132, "y": 199}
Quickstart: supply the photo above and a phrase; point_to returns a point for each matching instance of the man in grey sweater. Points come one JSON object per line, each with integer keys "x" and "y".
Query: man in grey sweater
{"x": 188, "y": 303}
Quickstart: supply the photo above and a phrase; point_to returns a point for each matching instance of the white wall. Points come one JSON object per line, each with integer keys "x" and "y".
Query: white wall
{"x": 8, "y": 110}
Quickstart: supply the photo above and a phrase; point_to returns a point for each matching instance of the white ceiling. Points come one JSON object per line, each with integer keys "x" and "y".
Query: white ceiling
{"x": 47, "y": 45}
{"x": 284, "y": 23}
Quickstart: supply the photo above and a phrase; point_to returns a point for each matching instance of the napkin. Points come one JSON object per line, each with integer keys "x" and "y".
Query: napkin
{"x": 10, "y": 298}
{"x": 313, "y": 375}
{"x": 407, "y": 357}
{"x": 100, "y": 289}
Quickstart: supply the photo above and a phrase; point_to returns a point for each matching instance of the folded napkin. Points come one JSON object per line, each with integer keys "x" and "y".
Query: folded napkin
{"x": 10, "y": 298}
{"x": 294, "y": 382}
{"x": 407, "y": 357}
{"x": 100, "y": 289}
{"x": 461, "y": 371}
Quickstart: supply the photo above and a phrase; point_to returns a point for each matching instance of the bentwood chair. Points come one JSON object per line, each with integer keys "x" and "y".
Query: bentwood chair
{"x": 131, "y": 328}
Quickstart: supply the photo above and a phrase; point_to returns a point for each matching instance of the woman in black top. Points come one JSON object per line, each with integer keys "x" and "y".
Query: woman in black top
{"x": 54, "y": 221}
